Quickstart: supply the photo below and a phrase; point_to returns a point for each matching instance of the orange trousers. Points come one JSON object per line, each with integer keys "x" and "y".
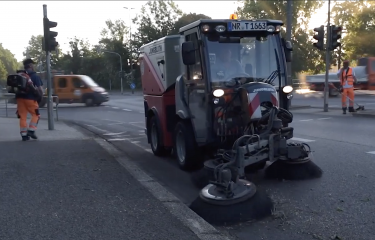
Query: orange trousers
{"x": 25, "y": 106}
{"x": 347, "y": 92}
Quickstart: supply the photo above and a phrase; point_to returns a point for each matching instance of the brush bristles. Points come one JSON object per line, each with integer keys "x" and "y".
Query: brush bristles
{"x": 257, "y": 207}
{"x": 282, "y": 170}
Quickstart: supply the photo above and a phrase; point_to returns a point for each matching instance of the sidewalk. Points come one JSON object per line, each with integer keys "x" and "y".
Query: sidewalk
{"x": 66, "y": 186}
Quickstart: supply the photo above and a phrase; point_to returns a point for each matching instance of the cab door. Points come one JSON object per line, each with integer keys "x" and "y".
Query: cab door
{"x": 196, "y": 89}
{"x": 77, "y": 88}
{"x": 62, "y": 90}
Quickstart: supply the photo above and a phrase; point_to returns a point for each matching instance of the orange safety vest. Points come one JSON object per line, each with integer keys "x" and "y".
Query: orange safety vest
{"x": 347, "y": 76}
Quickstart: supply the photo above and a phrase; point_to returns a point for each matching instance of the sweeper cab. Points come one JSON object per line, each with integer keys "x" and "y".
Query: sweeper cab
{"x": 220, "y": 87}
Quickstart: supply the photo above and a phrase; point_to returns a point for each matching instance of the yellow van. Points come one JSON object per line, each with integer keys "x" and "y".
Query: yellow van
{"x": 77, "y": 89}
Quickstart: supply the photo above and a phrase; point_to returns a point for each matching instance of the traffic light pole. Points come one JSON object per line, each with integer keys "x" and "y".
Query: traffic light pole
{"x": 326, "y": 87}
{"x": 49, "y": 82}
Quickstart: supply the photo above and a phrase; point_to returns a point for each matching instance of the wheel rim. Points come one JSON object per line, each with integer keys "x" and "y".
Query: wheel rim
{"x": 154, "y": 137}
{"x": 180, "y": 147}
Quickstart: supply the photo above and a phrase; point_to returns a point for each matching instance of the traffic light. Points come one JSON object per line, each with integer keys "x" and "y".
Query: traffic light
{"x": 50, "y": 43}
{"x": 334, "y": 36}
{"x": 320, "y": 37}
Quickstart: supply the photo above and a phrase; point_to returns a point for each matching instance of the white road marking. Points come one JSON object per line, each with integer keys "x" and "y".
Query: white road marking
{"x": 301, "y": 140}
{"x": 99, "y": 129}
{"x": 134, "y": 142}
{"x": 306, "y": 120}
{"x": 113, "y": 134}
{"x": 115, "y": 107}
{"x": 372, "y": 152}
{"x": 323, "y": 118}
{"x": 128, "y": 110}
{"x": 135, "y": 122}
{"x": 117, "y": 139}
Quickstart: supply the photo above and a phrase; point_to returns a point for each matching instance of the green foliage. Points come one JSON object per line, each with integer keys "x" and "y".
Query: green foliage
{"x": 35, "y": 52}
{"x": 358, "y": 19}
{"x": 8, "y": 64}
{"x": 302, "y": 45}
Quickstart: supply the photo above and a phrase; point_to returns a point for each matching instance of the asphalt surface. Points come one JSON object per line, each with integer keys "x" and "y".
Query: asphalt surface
{"x": 73, "y": 189}
{"x": 340, "y": 205}
{"x": 316, "y": 99}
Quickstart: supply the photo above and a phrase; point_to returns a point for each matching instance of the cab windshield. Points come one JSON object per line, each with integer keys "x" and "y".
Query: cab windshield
{"x": 89, "y": 81}
{"x": 246, "y": 59}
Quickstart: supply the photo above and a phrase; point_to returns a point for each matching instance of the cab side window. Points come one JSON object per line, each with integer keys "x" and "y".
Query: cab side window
{"x": 76, "y": 82}
{"x": 195, "y": 71}
{"x": 62, "y": 83}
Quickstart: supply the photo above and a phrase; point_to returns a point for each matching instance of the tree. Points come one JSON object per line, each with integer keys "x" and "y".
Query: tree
{"x": 157, "y": 20}
{"x": 186, "y": 19}
{"x": 302, "y": 46}
{"x": 8, "y": 63}
{"x": 35, "y": 52}
{"x": 357, "y": 18}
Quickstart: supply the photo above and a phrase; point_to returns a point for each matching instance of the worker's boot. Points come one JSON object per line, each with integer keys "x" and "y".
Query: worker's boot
{"x": 351, "y": 109}
{"x": 25, "y": 138}
{"x": 31, "y": 134}
{"x": 344, "y": 110}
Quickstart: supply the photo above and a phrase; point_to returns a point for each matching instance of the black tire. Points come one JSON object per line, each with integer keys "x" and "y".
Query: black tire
{"x": 98, "y": 104}
{"x": 155, "y": 139}
{"x": 89, "y": 102}
{"x": 185, "y": 147}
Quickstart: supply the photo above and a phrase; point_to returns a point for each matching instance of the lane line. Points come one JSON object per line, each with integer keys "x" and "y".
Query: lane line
{"x": 372, "y": 152}
{"x": 324, "y": 118}
{"x": 301, "y": 139}
{"x": 115, "y": 107}
{"x": 99, "y": 129}
{"x": 113, "y": 134}
{"x": 306, "y": 120}
{"x": 128, "y": 110}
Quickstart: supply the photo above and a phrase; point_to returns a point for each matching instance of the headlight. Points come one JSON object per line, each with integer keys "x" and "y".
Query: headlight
{"x": 218, "y": 92}
{"x": 287, "y": 89}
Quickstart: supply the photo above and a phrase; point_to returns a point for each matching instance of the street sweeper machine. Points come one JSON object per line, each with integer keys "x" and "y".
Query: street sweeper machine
{"x": 220, "y": 89}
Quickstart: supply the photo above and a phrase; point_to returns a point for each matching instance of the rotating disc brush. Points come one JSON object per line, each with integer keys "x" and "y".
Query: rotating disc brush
{"x": 247, "y": 203}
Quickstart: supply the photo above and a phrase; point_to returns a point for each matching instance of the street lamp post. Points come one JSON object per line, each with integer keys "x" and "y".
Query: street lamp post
{"x": 130, "y": 45}
{"x": 100, "y": 50}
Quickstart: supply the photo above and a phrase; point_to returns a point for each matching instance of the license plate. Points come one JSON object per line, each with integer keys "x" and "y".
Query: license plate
{"x": 246, "y": 26}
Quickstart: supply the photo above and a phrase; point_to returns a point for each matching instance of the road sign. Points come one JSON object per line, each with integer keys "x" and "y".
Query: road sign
{"x": 132, "y": 85}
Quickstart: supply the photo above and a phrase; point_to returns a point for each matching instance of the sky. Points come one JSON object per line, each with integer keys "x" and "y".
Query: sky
{"x": 86, "y": 19}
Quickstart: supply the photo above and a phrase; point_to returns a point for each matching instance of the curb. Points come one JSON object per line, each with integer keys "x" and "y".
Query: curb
{"x": 202, "y": 229}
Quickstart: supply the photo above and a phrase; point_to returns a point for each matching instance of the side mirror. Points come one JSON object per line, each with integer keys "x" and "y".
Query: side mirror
{"x": 288, "y": 51}
{"x": 188, "y": 53}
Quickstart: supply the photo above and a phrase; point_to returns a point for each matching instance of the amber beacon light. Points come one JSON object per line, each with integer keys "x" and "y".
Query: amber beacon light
{"x": 233, "y": 16}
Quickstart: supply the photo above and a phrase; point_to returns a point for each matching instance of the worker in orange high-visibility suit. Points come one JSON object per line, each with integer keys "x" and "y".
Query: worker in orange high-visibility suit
{"x": 347, "y": 79}
{"x": 27, "y": 102}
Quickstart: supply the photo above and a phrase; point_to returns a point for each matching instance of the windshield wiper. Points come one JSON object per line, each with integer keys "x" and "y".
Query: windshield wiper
{"x": 271, "y": 78}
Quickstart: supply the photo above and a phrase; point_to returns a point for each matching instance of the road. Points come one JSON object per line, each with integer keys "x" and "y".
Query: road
{"x": 340, "y": 204}
{"x": 316, "y": 99}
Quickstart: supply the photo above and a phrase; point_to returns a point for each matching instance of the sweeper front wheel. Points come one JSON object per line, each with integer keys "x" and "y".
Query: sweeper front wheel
{"x": 185, "y": 147}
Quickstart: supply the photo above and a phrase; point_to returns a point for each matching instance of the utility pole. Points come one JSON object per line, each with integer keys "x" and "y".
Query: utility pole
{"x": 130, "y": 46}
{"x": 49, "y": 44}
{"x": 289, "y": 38}
{"x": 328, "y": 40}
